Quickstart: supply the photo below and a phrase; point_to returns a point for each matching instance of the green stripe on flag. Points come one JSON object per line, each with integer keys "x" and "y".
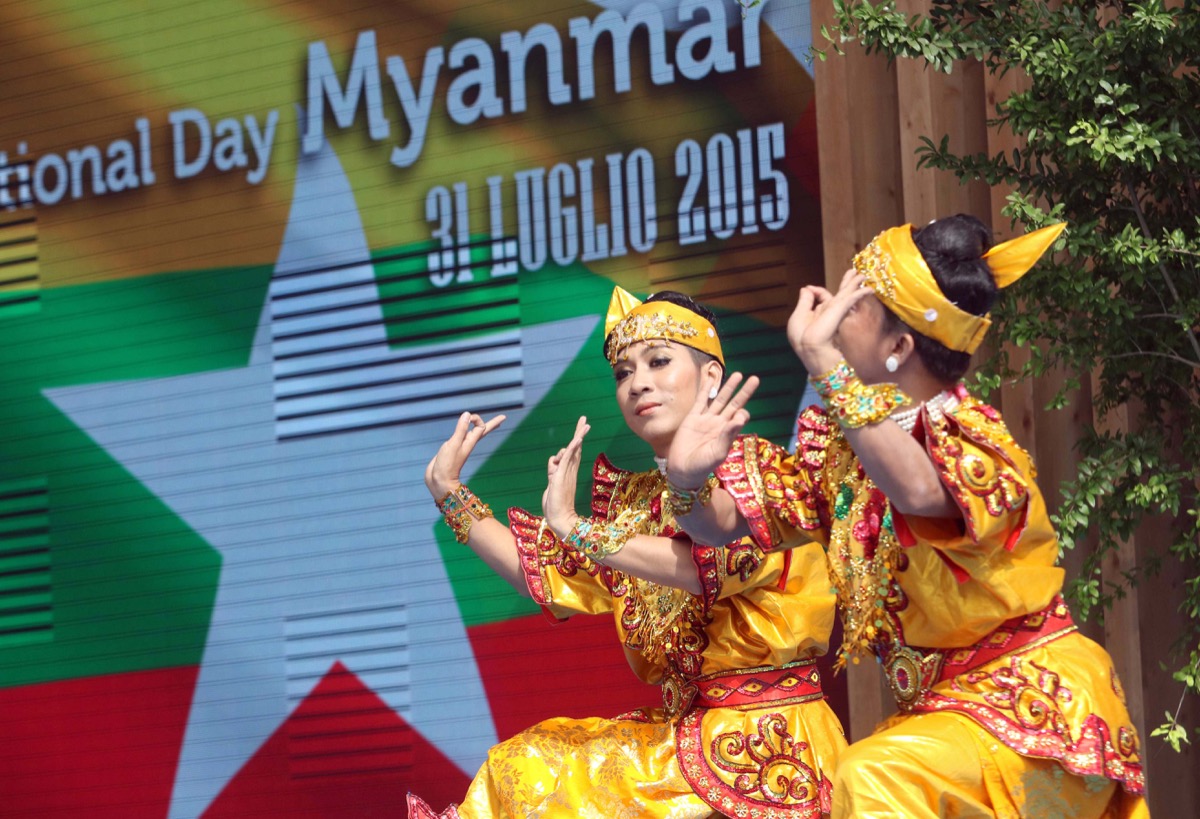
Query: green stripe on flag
{"x": 132, "y": 585}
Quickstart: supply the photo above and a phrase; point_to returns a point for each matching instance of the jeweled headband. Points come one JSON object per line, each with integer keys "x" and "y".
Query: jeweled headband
{"x": 630, "y": 320}
{"x": 896, "y": 271}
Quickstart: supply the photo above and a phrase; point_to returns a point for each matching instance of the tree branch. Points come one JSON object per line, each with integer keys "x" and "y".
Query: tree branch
{"x": 1162, "y": 268}
{"x": 1195, "y": 365}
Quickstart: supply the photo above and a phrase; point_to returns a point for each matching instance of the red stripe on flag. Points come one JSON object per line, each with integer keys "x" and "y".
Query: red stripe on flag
{"x": 342, "y": 752}
{"x": 98, "y": 747}
{"x": 533, "y": 670}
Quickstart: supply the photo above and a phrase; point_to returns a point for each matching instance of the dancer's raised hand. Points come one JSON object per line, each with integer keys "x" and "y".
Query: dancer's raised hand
{"x": 815, "y": 320}
{"x": 708, "y": 431}
{"x": 442, "y": 474}
{"x": 562, "y": 475}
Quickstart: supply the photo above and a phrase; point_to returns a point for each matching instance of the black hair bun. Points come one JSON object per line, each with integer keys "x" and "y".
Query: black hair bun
{"x": 953, "y": 248}
{"x": 958, "y": 238}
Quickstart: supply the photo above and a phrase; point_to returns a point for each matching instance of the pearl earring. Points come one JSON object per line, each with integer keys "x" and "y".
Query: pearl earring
{"x": 712, "y": 393}
{"x": 892, "y": 363}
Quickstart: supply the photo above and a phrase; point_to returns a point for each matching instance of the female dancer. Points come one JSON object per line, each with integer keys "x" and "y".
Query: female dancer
{"x": 730, "y": 634}
{"x": 938, "y": 541}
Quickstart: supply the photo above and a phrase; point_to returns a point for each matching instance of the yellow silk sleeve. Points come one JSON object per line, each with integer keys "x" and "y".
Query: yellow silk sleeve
{"x": 987, "y": 474}
{"x": 783, "y": 610}
{"x": 780, "y": 496}
{"x": 560, "y": 579}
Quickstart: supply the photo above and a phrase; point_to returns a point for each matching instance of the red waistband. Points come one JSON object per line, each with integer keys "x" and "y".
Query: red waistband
{"x": 754, "y": 687}
{"x": 912, "y": 671}
{"x": 1048, "y": 624}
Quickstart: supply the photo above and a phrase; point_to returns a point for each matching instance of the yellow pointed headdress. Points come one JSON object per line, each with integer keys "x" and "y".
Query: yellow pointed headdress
{"x": 630, "y": 320}
{"x": 896, "y": 271}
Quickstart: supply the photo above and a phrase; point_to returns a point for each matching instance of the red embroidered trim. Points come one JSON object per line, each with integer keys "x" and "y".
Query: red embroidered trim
{"x": 751, "y": 796}
{"x": 419, "y": 809}
{"x": 733, "y": 474}
{"x": 524, "y": 527}
{"x": 708, "y": 565}
{"x": 755, "y": 687}
{"x": 636, "y": 715}
{"x": 1050, "y": 623}
{"x": 1093, "y": 754}
{"x": 535, "y": 555}
{"x": 802, "y": 503}
{"x": 605, "y": 478}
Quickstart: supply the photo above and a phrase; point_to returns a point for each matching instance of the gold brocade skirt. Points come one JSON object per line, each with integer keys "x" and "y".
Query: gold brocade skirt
{"x": 607, "y": 769}
{"x": 921, "y": 766}
{"x": 761, "y": 763}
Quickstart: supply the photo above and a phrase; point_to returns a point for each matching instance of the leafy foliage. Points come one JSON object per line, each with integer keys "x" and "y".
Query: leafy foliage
{"x": 1109, "y": 122}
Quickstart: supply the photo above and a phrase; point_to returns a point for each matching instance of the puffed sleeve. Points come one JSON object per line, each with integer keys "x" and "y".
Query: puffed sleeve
{"x": 781, "y": 496}
{"x": 736, "y": 568}
{"x": 987, "y": 474}
{"x": 560, "y": 579}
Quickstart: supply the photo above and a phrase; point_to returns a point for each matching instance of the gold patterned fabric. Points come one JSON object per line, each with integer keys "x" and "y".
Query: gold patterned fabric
{"x": 742, "y": 730}
{"x": 964, "y": 615}
{"x": 929, "y": 766}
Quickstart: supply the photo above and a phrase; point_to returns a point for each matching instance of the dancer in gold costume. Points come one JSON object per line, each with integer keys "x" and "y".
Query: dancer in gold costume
{"x": 938, "y": 541}
{"x": 730, "y": 634}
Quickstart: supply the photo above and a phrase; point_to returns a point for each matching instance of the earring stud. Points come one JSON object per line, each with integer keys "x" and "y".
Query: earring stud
{"x": 892, "y": 363}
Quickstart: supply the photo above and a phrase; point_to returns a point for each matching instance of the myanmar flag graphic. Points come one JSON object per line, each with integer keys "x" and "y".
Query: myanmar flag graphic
{"x": 224, "y": 589}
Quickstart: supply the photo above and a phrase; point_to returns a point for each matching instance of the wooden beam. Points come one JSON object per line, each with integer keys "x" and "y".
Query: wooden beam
{"x": 861, "y": 194}
{"x": 858, "y": 145}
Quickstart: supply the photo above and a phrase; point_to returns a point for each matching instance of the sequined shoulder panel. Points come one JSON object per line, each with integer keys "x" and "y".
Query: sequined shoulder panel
{"x": 605, "y": 480}
{"x": 977, "y": 460}
{"x": 790, "y": 485}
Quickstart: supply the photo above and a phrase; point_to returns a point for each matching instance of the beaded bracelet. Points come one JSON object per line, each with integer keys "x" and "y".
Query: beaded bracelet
{"x": 681, "y": 501}
{"x": 461, "y": 508}
{"x": 834, "y": 380}
{"x": 600, "y": 540}
{"x": 854, "y": 404}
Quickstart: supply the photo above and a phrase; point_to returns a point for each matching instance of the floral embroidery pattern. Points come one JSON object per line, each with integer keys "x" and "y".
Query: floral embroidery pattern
{"x": 1023, "y": 704}
{"x": 742, "y": 560}
{"x": 766, "y": 763}
{"x": 770, "y": 779}
{"x": 993, "y": 479}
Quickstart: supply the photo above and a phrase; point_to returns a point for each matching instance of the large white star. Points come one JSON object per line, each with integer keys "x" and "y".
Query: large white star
{"x": 326, "y": 541}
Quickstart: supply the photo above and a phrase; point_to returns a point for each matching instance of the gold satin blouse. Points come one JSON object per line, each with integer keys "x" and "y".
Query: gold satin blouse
{"x": 965, "y": 615}
{"x": 734, "y": 662}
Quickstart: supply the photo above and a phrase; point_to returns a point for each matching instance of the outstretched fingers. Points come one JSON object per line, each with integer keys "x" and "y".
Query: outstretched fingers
{"x": 725, "y": 393}
{"x": 735, "y": 402}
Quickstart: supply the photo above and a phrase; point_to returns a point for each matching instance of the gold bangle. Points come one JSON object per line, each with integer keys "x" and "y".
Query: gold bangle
{"x": 598, "y": 540}
{"x": 854, "y": 404}
{"x": 461, "y": 508}
{"x": 681, "y": 501}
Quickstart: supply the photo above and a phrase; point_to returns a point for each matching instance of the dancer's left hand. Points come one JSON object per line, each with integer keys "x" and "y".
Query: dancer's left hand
{"x": 817, "y": 316}
{"x": 562, "y": 475}
{"x": 708, "y": 431}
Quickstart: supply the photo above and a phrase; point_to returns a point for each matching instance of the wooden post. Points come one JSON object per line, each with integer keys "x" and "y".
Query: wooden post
{"x": 861, "y": 194}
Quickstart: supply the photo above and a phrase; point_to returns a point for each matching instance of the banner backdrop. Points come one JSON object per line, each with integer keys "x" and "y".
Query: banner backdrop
{"x": 255, "y": 258}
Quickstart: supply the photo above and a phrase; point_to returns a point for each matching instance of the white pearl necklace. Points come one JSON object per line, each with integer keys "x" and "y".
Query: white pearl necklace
{"x": 941, "y": 404}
